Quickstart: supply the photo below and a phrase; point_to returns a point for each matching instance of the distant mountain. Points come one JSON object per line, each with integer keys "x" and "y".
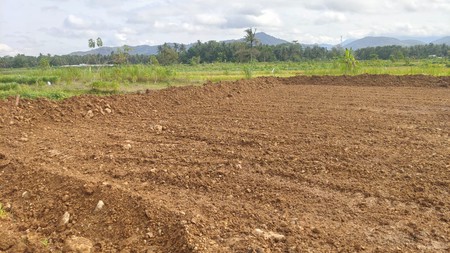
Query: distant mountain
{"x": 380, "y": 42}
{"x": 263, "y": 38}
{"x": 267, "y": 39}
{"x": 413, "y": 42}
{"x": 445, "y": 40}
{"x": 143, "y": 49}
{"x": 327, "y": 46}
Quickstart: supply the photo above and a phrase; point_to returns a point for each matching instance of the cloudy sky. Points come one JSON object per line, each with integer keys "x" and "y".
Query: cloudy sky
{"x": 63, "y": 26}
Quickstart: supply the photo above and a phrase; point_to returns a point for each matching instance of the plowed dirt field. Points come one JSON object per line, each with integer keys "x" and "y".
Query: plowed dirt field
{"x": 301, "y": 164}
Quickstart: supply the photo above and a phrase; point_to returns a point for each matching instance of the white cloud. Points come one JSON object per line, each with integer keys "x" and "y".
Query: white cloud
{"x": 121, "y": 37}
{"x": 63, "y": 26}
{"x": 210, "y": 19}
{"x": 343, "y": 5}
{"x": 330, "y": 18}
{"x": 52, "y": 8}
{"x": 75, "y": 22}
{"x": 421, "y": 6}
{"x": 7, "y": 50}
{"x": 266, "y": 18}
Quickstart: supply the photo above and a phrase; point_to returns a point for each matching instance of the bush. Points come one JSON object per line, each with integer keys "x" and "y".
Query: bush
{"x": 57, "y": 95}
{"x": 247, "y": 72}
{"x": 104, "y": 86}
{"x": 28, "y": 79}
{"x": 8, "y": 86}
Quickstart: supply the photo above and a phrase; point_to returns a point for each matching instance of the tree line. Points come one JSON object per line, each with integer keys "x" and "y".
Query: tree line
{"x": 243, "y": 51}
{"x": 400, "y": 53}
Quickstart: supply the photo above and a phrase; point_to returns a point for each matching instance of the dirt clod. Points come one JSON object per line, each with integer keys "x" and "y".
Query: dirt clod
{"x": 100, "y": 205}
{"x": 26, "y": 195}
{"x": 89, "y": 114}
{"x": 75, "y": 244}
{"x": 65, "y": 218}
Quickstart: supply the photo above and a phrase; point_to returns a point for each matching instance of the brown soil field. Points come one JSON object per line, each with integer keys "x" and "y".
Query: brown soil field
{"x": 301, "y": 164}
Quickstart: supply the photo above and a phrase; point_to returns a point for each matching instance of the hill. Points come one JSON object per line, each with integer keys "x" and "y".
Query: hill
{"x": 445, "y": 40}
{"x": 267, "y": 39}
{"x": 262, "y": 37}
{"x": 142, "y": 49}
{"x": 380, "y": 42}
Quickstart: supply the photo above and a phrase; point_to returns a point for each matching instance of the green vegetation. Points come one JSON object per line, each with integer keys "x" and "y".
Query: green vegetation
{"x": 66, "y": 82}
{"x": 349, "y": 61}
{"x": 45, "y": 242}
{"x": 175, "y": 64}
{"x": 3, "y": 213}
{"x": 245, "y": 51}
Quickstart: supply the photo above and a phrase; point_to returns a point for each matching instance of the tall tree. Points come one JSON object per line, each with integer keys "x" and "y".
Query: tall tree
{"x": 99, "y": 42}
{"x": 250, "y": 38}
{"x": 91, "y": 43}
{"x": 167, "y": 55}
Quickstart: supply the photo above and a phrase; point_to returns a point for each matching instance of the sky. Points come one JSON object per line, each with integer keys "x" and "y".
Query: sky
{"x": 59, "y": 27}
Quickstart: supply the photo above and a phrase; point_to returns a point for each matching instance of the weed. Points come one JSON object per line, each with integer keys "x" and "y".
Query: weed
{"x": 8, "y": 86}
{"x": 349, "y": 61}
{"x": 105, "y": 86}
{"x": 45, "y": 242}
{"x": 3, "y": 213}
{"x": 248, "y": 73}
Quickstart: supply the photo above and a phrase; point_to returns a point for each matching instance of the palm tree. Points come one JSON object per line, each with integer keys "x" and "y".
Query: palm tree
{"x": 91, "y": 43}
{"x": 250, "y": 38}
{"x": 99, "y": 42}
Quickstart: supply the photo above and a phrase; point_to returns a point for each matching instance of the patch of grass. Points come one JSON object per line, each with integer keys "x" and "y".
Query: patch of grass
{"x": 21, "y": 79}
{"x": 8, "y": 86}
{"x": 66, "y": 82}
{"x": 105, "y": 86}
{"x": 248, "y": 73}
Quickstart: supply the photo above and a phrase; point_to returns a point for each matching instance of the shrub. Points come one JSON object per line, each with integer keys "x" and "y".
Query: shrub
{"x": 3, "y": 213}
{"x": 104, "y": 86}
{"x": 8, "y": 86}
{"x": 247, "y": 72}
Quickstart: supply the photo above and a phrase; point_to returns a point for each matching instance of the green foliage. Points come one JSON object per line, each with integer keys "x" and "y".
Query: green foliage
{"x": 91, "y": 43}
{"x": 215, "y": 52}
{"x": 18, "y": 79}
{"x": 8, "y": 86}
{"x": 248, "y": 73}
{"x": 105, "y": 87}
{"x": 195, "y": 60}
{"x": 250, "y": 37}
{"x": 153, "y": 60}
{"x": 28, "y": 79}
{"x": 121, "y": 55}
{"x": 130, "y": 78}
{"x": 44, "y": 63}
{"x": 99, "y": 42}
{"x": 167, "y": 55}
{"x": 349, "y": 61}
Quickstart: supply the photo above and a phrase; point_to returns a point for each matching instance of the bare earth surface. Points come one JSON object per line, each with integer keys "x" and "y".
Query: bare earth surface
{"x": 303, "y": 164}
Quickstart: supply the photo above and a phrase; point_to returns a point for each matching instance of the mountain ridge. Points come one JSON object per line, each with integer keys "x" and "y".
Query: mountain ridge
{"x": 266, "y": 39}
